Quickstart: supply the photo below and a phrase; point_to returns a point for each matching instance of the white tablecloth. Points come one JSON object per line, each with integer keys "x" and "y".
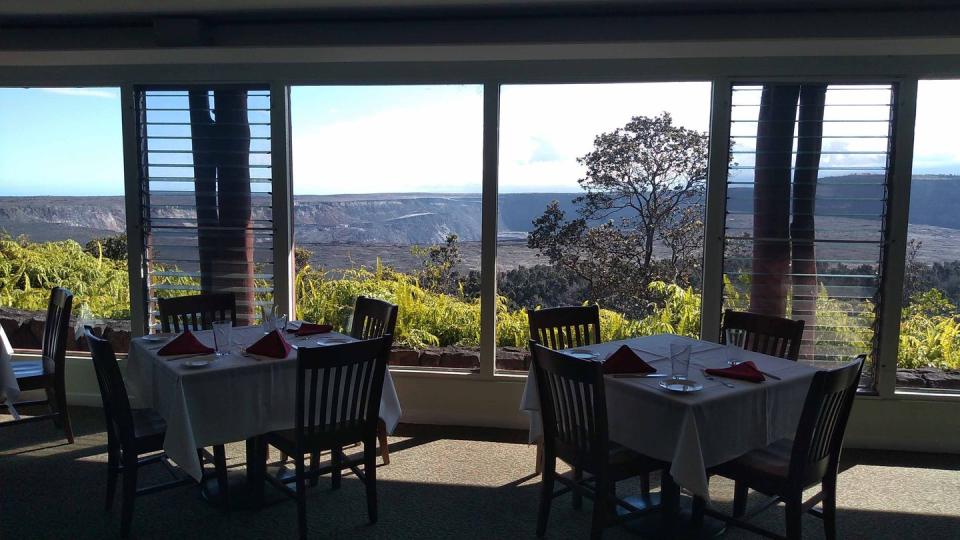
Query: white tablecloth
{"x": 9, "y": 389}
{"x": 233, "y": 399}
{"x": 701, "y": 429}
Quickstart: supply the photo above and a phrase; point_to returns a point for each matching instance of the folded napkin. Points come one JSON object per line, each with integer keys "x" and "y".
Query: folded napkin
{"x": 308, "y": 329}
{"x": 745, "y": 371}
{"x": 624, "y": 360}
{"x": 272, "y": 345}
{"x": 185, "y": 343}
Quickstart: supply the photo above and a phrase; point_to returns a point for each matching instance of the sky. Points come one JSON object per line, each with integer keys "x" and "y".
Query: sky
{"x": 349, "y": 139}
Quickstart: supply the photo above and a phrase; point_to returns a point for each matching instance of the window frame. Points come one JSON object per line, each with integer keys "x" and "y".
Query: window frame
{"x": 904, "y": 70}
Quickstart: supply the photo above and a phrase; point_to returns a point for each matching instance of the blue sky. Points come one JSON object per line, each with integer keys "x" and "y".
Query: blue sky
{"x": 396, "y": 139}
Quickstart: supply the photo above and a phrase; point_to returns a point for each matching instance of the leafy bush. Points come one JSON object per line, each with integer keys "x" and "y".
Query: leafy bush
{"x": 930, "y": 330}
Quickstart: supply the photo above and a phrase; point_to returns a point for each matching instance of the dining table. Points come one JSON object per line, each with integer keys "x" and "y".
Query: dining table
{"x": 235, "y": 397}
{"x": 693, "y": 430}
{"x": 9, "y": 389}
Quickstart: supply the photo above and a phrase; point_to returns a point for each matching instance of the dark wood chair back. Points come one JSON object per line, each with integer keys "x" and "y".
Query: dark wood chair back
{"x": 54, "y": 345}
{"x": 339, "y": 389}
{"x": 573, "y": 407}
{"x": 766, "y": 334}
{"x": 373, "y": 318}
{"x": 565, "y": 327}
{"x": 819, "y": 439}
{"x": 113, "y": 391}
{"x": 196, "y": 312}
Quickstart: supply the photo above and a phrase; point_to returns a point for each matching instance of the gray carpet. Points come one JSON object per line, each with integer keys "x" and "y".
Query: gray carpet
{"x": 442, "y": 483}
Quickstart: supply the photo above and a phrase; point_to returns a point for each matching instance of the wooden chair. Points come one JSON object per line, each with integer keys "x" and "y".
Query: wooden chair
{"x": 564, "y": 328}
{"x": 337, "y": 404}
{"x": 787, "y": 467}
{"x": 374, "y": 318}
{"x": 573, "y": 406}
{"x": 199, "y": 312}
{"x": 130, "y": 434}
{"x": 196, "y": 312}
{"x": 47, "y": 373}
{"x": 765, "y": 334}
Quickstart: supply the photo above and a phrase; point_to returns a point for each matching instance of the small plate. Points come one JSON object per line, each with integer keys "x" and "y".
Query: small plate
{"x": 683, "y": 386}
{"x": 582, "y": 355}
{"x": 199, "y": 363}
{"x": 332, "y": 341}
{"x": 156, "y": 338}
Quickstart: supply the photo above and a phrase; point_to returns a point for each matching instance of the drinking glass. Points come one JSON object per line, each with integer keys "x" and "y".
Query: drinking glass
{"x": 679, "y": 360}
{"x": 268, "y": 319}
{"x": 734, "y": 345}
{"x": 221, "y": 337}
{"x": 280, "y": 322}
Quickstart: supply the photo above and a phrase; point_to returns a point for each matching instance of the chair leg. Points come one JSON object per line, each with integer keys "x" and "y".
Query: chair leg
{"x": 645, "y": 487}
{"x": 576, "y": 499}
{"x": 129, "y": 493}
{"x": 601, "y": 507}
{"x": 223, "y": 484}
{"x": 382, "y": 439}
{"x": 538, "y": 467}
{"x": 301, "y": 496}
{"x": 113, "y": 470}
{"x": 260, "y": 481}
{"x": 740, "y": 491}
{"x": 794, "y": 515}
{"x": 696, "y": 518}
{"x": 549, "y": 465}
{"x": 830, "y": 506}
{"x": 315, "y": 466}
{"x": 60, "y": 403}
{"x": 370, "y": 472}
{"x": 336, "y": 464}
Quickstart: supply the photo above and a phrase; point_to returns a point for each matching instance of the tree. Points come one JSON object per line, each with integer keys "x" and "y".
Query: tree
{"x": 111, "y": 247}
{"x": 644, "y": 186}
{"x": 439, "y": 264}
{"x": 221, "y": 159}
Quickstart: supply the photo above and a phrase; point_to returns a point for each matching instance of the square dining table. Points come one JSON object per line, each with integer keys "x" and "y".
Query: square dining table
{"x": 235, "y": 398}
{"x": 697, "y": 430}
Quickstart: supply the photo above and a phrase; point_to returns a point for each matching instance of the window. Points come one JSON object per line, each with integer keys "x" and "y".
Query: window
{"x": 601, "y": 202}
{"x": 387, "y": 187}
{"x": 929, "y": 353}
{"x": 806, "y": 207}
{"x": 61, "y": 206}
{"x": 206, "y": 182}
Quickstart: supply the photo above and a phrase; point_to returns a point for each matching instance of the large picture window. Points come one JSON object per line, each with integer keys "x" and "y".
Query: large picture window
{"x": 929, "y": 354}
{"x": 601, "y": 198}
{"x": 62, "y": 212}
{"x": 387, "y": 204}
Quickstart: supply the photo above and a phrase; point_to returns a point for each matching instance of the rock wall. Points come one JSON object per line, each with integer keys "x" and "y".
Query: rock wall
{"x": 24, "y": 329}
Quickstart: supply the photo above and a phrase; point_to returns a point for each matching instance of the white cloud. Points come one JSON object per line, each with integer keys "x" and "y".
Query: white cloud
{"x": 104, "y": 93}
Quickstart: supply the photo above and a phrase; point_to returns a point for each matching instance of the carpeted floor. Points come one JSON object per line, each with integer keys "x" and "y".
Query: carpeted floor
{"x": 442, "y": 483}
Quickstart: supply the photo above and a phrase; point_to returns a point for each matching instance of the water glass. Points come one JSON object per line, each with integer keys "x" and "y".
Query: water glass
{"x": 268, "y": 319}
{"x": 679, "y": 360}
{"x": 734, "y": 338}
{"x": 222, "y": 331}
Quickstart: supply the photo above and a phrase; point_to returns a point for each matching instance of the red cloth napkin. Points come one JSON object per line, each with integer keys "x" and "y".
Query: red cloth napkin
{"x": 745, "y": 371}
{"x": 624, "y": 360}
{"x": 272, "y": 345}
{"x": 308, "y": 329}
{"x": 185, "y": 343}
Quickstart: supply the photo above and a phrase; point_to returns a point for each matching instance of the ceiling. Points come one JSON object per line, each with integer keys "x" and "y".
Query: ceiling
{"x": 34, "y": 11}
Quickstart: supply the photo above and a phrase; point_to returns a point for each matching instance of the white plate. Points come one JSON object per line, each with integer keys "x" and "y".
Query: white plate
{"x": 683, "y": 386}
{"x": 582, "y": 355}
{"x": 199, "y": 363}
{"x": 156, "y": 338}
{"x": 332, "y": 341}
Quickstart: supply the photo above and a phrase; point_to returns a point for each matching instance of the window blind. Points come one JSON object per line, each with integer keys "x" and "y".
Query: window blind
{"x": 206, "y": 192}
{"x": 806, "y": 209}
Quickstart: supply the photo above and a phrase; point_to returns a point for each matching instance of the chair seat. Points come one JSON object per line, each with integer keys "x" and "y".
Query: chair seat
{"x": 149, "y": 429}
{"x": 286, "y": 440}
{"x": 768, "y": 466}
{"x": 27, "y": 368}
{"x": 624, "y": 463}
